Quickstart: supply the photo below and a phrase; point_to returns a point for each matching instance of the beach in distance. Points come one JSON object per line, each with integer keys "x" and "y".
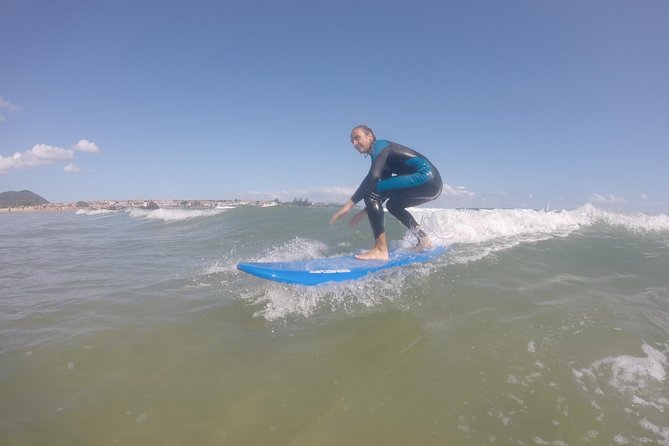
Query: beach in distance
{"x": 117, "y": 205}
{"x": 132, "y": 325}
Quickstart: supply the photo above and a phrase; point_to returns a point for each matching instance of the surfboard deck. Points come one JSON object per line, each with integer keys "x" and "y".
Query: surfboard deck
{"x": 334, "y": 269}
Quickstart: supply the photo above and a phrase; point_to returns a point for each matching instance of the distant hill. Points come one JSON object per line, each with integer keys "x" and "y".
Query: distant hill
{"x": 14, "y": 199}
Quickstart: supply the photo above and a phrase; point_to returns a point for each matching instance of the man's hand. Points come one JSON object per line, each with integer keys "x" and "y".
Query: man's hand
{"x": 341, "y": 212}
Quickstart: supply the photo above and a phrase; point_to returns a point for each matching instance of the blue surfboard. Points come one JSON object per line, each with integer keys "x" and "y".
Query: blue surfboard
{"x": 334, "y": 269}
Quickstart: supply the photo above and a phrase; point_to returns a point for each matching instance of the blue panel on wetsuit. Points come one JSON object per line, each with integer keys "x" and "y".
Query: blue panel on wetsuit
{"x": 378, "y": 146}
{"x": 423, "y": 175}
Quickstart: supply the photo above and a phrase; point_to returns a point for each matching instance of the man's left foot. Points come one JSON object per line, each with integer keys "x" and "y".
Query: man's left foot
{"x": 373, "y": 254}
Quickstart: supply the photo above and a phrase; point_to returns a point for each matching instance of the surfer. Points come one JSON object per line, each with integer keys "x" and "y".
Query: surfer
{"x": 398, "y": 174}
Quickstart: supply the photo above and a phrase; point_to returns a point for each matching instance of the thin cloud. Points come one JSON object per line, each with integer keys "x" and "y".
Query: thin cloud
{"x": 11, "y": 108}
{"x": 71, "y": 168}
{"x": 457, "y": 192}
{"x": 8, "y": 107}
{"x": 604, "y": 199}
{"x": 42, "y": 155}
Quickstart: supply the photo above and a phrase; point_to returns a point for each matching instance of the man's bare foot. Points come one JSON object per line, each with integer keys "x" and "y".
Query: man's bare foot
{"x": 424, "y": 243}
{"x": 373, "y": 254}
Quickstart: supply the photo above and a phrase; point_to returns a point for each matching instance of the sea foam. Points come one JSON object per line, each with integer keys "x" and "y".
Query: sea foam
{"x": 637, "y": 382}
{"x": 630, "y": 374}
{"x": 172, "y": 214}
{"x": 95, "y": 211}
{"x": 486, "y": 231}
{"x": 296, "y": 249}
{"x": 483, "y": 225}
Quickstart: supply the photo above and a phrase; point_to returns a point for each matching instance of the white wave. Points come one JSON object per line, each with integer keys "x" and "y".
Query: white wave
{"x": 95, "y": 211}
{"x": 225, "y": 265}
{"x": 479, "y": 226}
{"x": 638, "y": 222}
{"x": 172, "y": 214}
{"x": 295, "y": 249}
{"x": 279, "y": 301}
{"x": 489, "y": 230}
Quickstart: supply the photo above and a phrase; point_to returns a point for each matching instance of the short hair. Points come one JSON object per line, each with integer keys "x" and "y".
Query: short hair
{"x": 365, "y": 129}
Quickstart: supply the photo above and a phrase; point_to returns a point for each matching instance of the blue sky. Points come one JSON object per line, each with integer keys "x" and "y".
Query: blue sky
{"x": 519, "y": 103}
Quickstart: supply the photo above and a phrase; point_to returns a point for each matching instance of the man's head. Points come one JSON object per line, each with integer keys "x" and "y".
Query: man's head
{"x": 362, "y": 138}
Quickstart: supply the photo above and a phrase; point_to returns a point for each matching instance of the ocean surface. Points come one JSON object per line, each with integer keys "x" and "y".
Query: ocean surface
{"x": 134, "y": 327}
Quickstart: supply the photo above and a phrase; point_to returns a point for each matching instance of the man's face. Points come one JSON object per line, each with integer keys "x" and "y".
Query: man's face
{"x": 361, "y": 141}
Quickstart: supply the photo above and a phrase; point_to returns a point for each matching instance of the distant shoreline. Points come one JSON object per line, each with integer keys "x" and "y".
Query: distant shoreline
{"x": 23, "y": 210}
{"x": 159, "y": 204}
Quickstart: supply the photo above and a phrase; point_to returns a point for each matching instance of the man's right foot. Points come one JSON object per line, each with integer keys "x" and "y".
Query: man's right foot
{"x": 424, "y": 242}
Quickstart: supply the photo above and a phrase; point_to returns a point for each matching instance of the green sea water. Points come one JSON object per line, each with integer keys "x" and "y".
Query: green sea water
{"x": 135, "y": 328}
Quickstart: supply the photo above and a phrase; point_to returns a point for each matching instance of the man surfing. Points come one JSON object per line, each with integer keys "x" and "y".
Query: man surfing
{"x": 398, "y": 174}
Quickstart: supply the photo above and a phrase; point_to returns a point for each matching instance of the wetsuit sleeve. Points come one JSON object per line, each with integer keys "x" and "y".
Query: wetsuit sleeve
{"x": 375, "y": 171}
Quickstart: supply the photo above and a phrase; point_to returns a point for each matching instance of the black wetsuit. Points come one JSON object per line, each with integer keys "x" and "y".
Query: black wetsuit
{"x": 400, "y": 175}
